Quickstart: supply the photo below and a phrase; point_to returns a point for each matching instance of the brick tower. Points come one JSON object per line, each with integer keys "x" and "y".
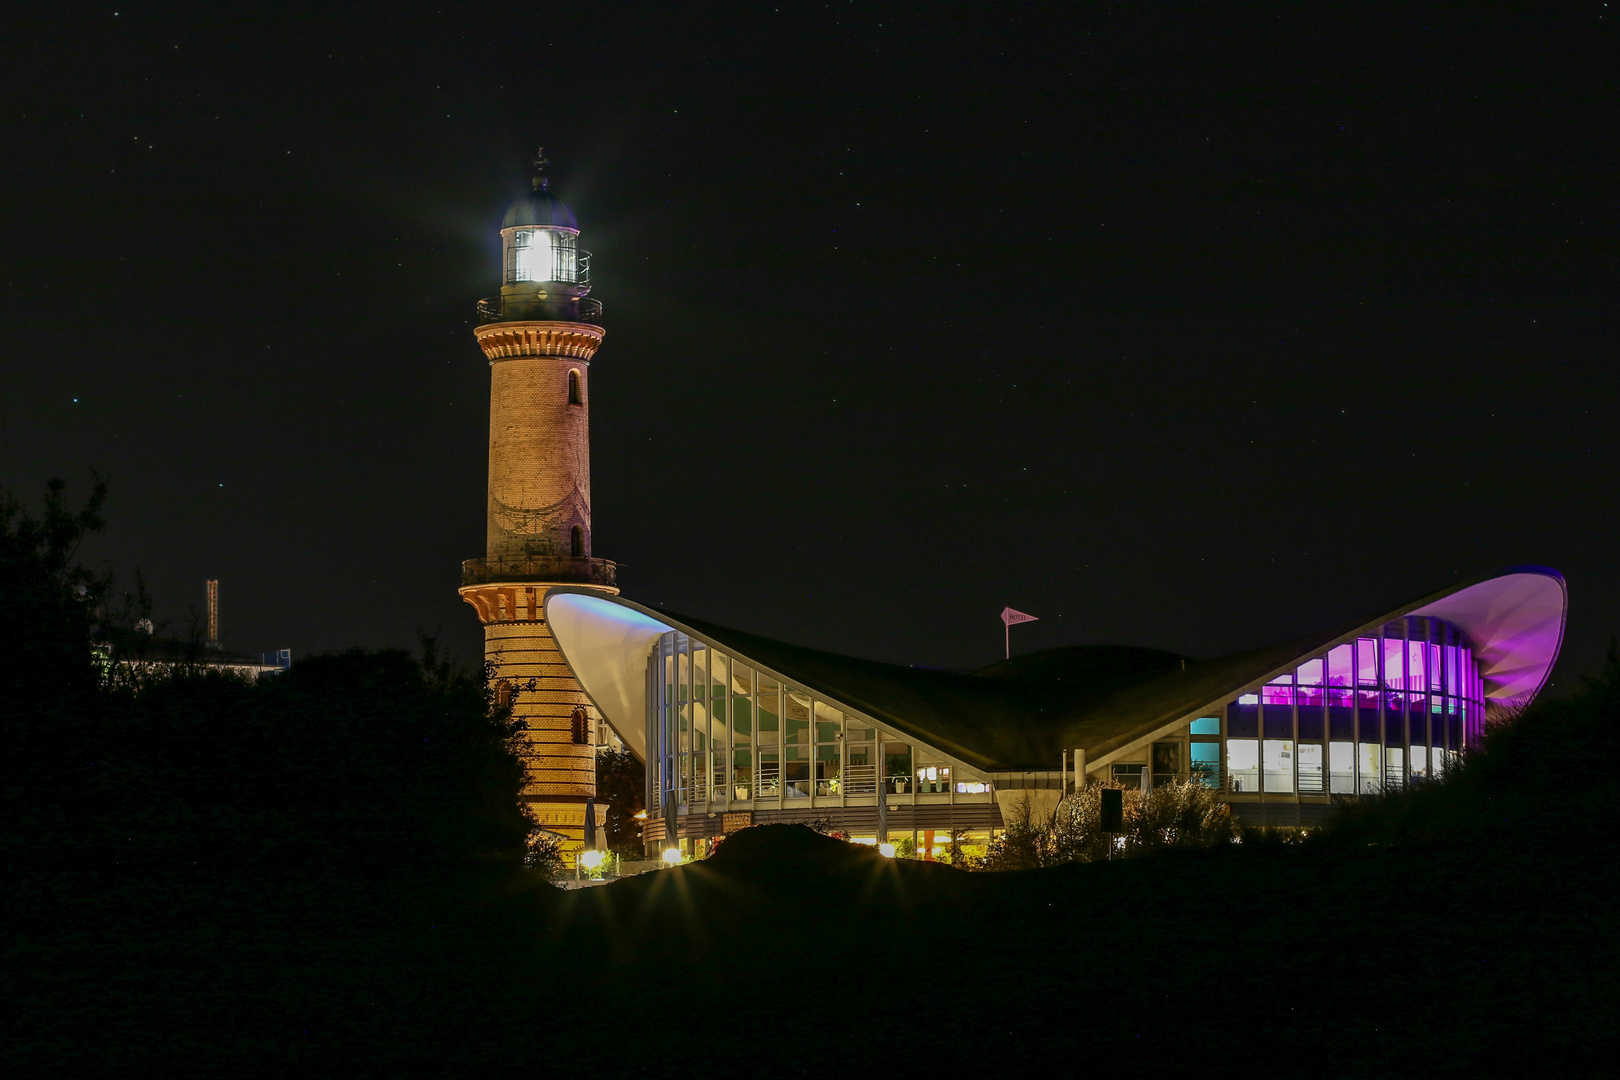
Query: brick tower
{"x": 539, "y": 335}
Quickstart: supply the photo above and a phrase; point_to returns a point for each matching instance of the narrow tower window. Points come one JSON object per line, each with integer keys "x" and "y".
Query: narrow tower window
{"x": 574, "y": 397}
{"x": 580, "y": 727}
{"x": 577, "y": 542}
{"x": 503, "y": 694}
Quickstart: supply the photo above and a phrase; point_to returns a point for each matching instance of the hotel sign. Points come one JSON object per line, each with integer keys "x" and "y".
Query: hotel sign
{"x": 730, "y": 823}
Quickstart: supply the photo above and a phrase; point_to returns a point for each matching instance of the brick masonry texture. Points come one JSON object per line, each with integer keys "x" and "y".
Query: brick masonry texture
{"x": 539, "y": 457}
{"x": 527, "y": 657}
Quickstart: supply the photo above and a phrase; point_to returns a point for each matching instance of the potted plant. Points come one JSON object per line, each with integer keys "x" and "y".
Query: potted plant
{"x": 899, "y": 781}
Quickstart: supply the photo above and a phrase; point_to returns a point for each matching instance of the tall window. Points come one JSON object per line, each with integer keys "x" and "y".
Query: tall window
{"x": 574, "y": 397}
{"x": 576, "y": 542}
{"x": 1166, "y": 760}
{"x": 581, "y": 727}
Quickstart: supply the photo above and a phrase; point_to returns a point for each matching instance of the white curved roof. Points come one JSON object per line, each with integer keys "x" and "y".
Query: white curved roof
{"x": 606, "y": 641}
{"x": 1516, "y": 625}
{"x": 1514, "y": 621}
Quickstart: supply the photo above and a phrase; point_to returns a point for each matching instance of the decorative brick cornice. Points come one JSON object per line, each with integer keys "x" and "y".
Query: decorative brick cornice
{"x": 517, "y": 601}
{"x": 511, "y": 340}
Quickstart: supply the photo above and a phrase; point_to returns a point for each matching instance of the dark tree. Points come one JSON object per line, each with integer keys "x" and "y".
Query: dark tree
{"x": 48, "y": 671}
{"x": 47, "y": 599}
{"x": 342, "y": 843}
{"x": 620, "y": 782}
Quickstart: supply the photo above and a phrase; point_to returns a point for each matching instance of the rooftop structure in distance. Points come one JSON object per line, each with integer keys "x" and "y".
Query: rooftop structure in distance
{"x": 141, "y": 651}
{"x": 736, "y": 729}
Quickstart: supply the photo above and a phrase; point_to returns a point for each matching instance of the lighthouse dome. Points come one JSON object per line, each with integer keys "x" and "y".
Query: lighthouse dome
{"x": 539, "y": 207}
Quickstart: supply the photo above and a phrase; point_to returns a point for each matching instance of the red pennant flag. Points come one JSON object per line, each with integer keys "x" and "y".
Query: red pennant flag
{"x": 1009, "y": 617}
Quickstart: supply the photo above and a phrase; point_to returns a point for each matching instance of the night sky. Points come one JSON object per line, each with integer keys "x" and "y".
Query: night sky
{"x": 1195, "y": 328}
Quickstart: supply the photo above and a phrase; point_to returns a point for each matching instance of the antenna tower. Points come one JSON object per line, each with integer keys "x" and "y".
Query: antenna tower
{"x": 213, "y": 613}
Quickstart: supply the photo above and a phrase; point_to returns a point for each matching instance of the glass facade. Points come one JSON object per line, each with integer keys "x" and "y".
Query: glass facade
{"x": 723, "y": 735}
{"x": 1377, "y": 712}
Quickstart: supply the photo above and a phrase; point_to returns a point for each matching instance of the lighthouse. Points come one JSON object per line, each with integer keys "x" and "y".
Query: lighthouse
{"x": 539, "y": 336}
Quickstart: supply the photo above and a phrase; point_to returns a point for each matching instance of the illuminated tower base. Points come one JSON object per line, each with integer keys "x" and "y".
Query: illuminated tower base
{"x": 559, "y": 762}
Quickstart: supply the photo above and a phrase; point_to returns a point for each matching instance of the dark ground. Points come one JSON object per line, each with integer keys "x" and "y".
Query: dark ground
{"x": 794, "y": 954}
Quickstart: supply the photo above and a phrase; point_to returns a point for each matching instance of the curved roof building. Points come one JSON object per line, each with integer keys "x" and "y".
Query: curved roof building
{"x": 737, "y": 729}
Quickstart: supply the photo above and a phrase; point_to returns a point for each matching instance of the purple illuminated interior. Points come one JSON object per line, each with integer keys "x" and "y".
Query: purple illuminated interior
{"x": 1439, "y": 668}
{"x": 1422, "y": 678}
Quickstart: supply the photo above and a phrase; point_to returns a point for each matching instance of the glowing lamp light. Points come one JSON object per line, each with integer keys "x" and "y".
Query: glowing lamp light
{"x": 672, "y": 855}
{"x": 590, "y": 860}
{"x": 533, "y": 256}
{"x": 887, "y": 850}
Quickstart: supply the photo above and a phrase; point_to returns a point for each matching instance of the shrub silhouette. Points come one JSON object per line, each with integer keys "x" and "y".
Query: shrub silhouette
{"x": 1177, "y": 815}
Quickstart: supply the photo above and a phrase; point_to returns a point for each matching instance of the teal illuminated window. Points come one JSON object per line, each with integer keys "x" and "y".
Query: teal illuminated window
{"x": 1207, "y": 725}
{"x": 1205, "y": 758}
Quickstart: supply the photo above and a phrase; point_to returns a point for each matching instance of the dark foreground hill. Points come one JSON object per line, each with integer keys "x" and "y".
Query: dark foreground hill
{"x": 1313, "y": 960}
{"x": 793, "y": 954}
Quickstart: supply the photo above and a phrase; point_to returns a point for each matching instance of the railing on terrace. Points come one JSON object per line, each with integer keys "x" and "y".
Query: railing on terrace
{"x": 494, "y": 309}
{"x": 551, "y": 568}
{"x": 772, "y": 782}
{"x": 860, "y": 780}
{"x": 769, "y": 783}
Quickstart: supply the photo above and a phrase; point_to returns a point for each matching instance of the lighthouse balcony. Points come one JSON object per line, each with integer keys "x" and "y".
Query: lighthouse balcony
{"x": 496, "y": 309}
{"x": 539, "y": 568}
